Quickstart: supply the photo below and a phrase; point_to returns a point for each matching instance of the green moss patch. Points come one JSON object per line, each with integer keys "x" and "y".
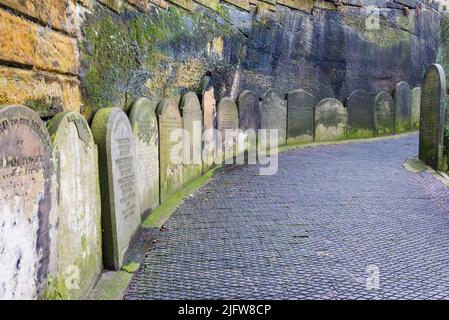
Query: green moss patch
{"x": 359, "y": 134}
{"x": 159, "y": 216}
{"x": 112, "y": 286}
{"x": 131, "y": 55}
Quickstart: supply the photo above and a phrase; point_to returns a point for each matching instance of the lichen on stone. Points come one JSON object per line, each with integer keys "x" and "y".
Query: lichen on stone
{"x": 152, "y": 55}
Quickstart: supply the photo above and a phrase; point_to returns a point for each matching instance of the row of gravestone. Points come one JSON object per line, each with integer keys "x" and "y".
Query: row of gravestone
{"x": 302, "y": 119}
{"x": 72, "y": 197}
{"x": 433, "y": 132}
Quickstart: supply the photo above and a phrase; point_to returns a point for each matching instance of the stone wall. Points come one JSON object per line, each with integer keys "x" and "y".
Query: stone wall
{"x": 39, "y": 56}
{"x": 326, "y": 47}
{"x": 68, "y": 55}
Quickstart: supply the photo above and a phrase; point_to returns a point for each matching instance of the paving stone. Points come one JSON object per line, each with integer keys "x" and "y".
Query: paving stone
{"x": 309, "y": 232}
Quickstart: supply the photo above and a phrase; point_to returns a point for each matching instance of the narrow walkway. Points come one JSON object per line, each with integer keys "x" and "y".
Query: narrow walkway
{"x": 316, "y": 230}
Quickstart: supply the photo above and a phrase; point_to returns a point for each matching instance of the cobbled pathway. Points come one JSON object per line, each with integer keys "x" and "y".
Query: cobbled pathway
{"x": 336, "y": 222}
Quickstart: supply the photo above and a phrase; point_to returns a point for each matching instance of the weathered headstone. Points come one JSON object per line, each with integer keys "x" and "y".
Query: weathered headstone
{"x": 330, "y": 120}
{"x": 192, "y": 125}
{"x": 227, "y": 125}
{"x": 78, "y": 235}
{"x": 273, "y": 114}
{"x": 249, "y": 119}
{"x": 403, "y": 107}
{"x": 432, "y": 123}
{"x": 209, "y": 116}
{"x": 360, "y": 108}
{"x": 170, "y": 148}
{"x": 300, "y": 116}
{"x": 416, "y": 107}
{"x": 144, "y": 124}
{"x": 249, "y": 115}
{"x": 384, "y": 115}
{"x": 118, "y": 183}
{"x": 25, "y": 203}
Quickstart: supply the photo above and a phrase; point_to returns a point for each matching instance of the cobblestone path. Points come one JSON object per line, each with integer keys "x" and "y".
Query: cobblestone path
{"x": 323, "y": 227}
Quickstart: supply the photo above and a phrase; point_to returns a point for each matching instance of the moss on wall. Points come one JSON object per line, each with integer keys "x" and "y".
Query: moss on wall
{"x": 132, "y": 55}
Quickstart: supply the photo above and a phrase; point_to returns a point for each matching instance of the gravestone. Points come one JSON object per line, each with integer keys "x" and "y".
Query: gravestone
{"x": 78, "y": 241}
{"x": 360, "y": 108}
{"x": 403, "y": 107}
{"x": 249, "y": 115}
{"x": 144, "y": 125}
{"x": 330, "y": 120}
{"x": 25, "y": 203}
{"x": 433, "y": 110}
{"x": 300, "y": 117}
{"x": 249, "y": 118}
{"x": 273, "y": 114}
{"x": 192, "y": 125}
{"x": 209, "y": 116}
{"x": 416, "y": 107}
{"x": 118, "y": 183}
{"x": 227, "y": 125}
{"x": 384, "y": 115}
{"x": 170, "y": 148}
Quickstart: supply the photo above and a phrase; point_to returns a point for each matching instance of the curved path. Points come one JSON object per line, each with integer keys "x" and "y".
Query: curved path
{"x": 336, "y": 222}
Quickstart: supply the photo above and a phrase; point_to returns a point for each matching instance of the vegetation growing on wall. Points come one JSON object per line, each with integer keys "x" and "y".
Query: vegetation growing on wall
{"x": 153, "y": 55}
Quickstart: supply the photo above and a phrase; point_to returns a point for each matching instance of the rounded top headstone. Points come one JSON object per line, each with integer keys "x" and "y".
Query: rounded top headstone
{"x": 271, "y": 94}
{"x": 330, "y": 102}
{"x": 143, "y": 120}
{"x": 383, "y": 95}
{"x": 249, "y": 114}
{"x": 300, "y": 92}
{"x": 82, "y": 127}
{"x": 439, "y": 70}
{"x": 403, "y": 84}
{"x": 227, "y": 104}
{"x": 360, "y": 107}
{"x": 168, "y": 106}
{"x": 190, "y": 102}
{"x": 142, "y": 103}
{"x": 25, "y": 201}
{"x": 433, "y": 118}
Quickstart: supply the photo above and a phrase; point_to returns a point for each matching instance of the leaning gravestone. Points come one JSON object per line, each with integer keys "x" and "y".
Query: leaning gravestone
{"x": 273, "y": 114}
{"x": 118, "y": 183}
{"x": 192, "y": 125}
{"x": 144, "y": 124}
{"x": 433, "y": 109}
{"x": 170, "y": 148}
{"x": 25, "y": 203}
{"x": 330, "y": 120}
{"x": 416, "y": 107}
{"x": 227, "y": 125}
{"x": 300, "y": 116}
{"x": 384, "y": 115}
{"x": 249, "y": 118}
{"x": 403, "y": 107}
{"x": 209, "y": 115}
{"x": 360, "y": 108}
{"x": 78, "y": 240}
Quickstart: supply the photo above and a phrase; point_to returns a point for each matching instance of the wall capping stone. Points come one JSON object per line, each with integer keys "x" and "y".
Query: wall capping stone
{"x": 242, "y": 4}
{"x": 211, "y": 4}
{"x": 185, "y": 4}
{"x": 302, "y": 5}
